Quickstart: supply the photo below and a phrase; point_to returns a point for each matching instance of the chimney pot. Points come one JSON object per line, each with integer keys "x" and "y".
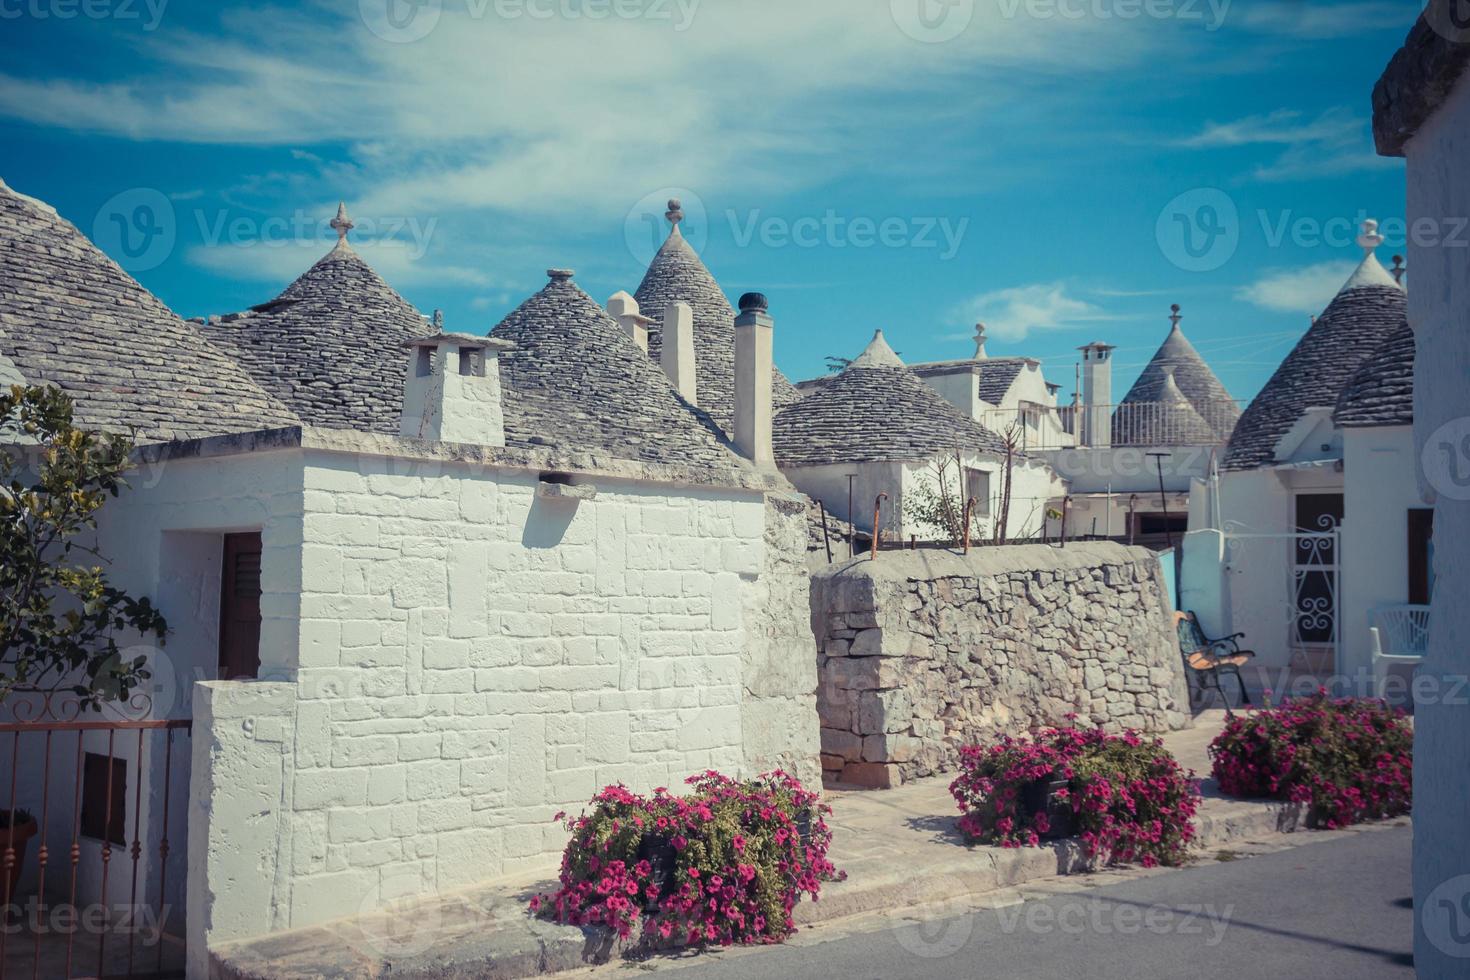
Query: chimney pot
{"x": 754, "y": 302}
{"x": 677, "y": 352}
{"x": 754, "y": 368}
{"x": 624, "y": 308}
{"x": 452, "y": 392}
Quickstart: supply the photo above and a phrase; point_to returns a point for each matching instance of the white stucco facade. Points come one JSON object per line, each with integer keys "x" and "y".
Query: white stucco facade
{"x": 1033, "y": 484}
{"x": 452, "y": 651}
{"x": 1439, "y": 311}
{"x": 1380, "y": 488}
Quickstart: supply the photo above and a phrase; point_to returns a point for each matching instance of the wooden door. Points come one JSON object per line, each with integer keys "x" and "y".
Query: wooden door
{"x": 239, "y": 608}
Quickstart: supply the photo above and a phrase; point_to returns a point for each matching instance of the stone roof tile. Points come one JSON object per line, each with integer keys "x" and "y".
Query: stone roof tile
{"x": 576, "y": 380}
{"x": 871, "y": 413}
{"x": 331, "y": 345}
{"x": 70, "y": 316}
{"x": 1358, "y": 322}
{"x": 677, "y": 274}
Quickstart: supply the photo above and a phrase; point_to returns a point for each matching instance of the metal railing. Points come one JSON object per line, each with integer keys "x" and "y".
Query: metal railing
{"x": 1131, "y": 424}
{"x": 53, "y": 745}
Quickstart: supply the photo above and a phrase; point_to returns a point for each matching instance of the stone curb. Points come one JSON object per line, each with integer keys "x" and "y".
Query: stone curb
{"x": 488, "y": 934}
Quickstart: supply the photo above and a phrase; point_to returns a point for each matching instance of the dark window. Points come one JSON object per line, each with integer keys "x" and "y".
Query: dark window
{"x": 103, "y": 808}
{"x": 239, "y": 608}
{"x": 1159, "y": 524}
{"x": 1421, "y": 557}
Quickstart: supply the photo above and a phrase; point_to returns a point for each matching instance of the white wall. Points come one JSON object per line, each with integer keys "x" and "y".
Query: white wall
{"x": 829, "y": 484}
{"x": 1439, "y": 310}
{"x": 163, "y": 539}
{"x": 1380, "y": 487}
{"x": 474, "y": 656}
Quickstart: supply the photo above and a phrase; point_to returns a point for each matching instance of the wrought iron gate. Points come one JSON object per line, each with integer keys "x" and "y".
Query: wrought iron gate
{"x": 74, "y": 778}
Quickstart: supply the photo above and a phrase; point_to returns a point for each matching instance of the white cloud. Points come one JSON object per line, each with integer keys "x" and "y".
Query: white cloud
{"x": 1305, "y": 290}
{"x": 568, "y": 116}
{"x": 1334, "y": 143}
{"x": 1313, "y": 21}
{"x": 401, "y": 264}
{"x": 1011, "y": 314}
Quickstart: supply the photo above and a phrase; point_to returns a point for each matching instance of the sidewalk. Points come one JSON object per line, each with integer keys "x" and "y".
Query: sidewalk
{"x": 899, "y": 848}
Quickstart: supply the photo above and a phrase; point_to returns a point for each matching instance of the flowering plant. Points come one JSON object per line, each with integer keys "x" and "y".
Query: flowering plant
{"x": 1348, "y": 759}
{"x": 743, "y": 853}
{"x": 1129, "y": 799}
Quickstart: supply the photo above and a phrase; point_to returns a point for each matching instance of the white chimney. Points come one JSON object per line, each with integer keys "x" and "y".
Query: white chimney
{"x": 1097, "y": 394}
{"x": 453, "y": 390}
{"x": 754, "y": 355}
{"x": 624, "y": 309}
{"x": 677, "y": 353}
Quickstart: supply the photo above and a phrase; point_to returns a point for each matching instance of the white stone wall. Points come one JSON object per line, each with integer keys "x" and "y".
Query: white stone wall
{"x": 1380, "y": 487}
{"x": 1439, "y": 311}
{"x": 474, "y": 657}
{"x": 451, "y": 655}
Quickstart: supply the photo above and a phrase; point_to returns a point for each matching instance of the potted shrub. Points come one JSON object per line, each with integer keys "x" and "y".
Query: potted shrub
{"x": 1124, "y": 797}
{"x": 16, "y": 833}
{"x": 724, "y": 865}
{"x": 1346, "y": 760}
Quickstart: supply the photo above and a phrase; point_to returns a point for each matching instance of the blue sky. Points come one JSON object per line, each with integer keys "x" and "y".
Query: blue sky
{"x": 910, "y": 165}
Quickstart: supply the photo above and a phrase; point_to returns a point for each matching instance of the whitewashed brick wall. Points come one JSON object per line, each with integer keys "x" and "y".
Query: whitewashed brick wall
{"x": 473, "y": 658}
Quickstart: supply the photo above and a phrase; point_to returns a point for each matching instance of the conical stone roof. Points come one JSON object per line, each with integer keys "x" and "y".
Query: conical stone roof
{"x": 1363, "y": 317}
{"x": 70, "y": 316}
{"x": 677, "y": 274}
{"x": 576, "y": 381}
{"x": 1193, "y": 379}
{"x": 877, "y": 409}
{"x": 331, "y": 345}
{"x": 1167, "y": 419}
{"x": 1382, "y": 391}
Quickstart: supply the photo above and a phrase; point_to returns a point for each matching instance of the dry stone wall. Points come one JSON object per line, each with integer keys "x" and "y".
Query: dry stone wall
{"x": 920, "y": 653}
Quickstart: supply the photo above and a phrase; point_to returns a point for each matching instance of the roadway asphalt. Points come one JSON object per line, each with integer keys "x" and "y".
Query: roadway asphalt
{"x": 1337, "y": 910}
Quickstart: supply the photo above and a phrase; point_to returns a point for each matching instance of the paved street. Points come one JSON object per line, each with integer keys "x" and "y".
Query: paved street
{"x": 1336, "y": 910}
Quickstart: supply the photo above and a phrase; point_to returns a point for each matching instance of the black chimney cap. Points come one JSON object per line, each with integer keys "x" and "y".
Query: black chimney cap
{"x": 754, "y": 303}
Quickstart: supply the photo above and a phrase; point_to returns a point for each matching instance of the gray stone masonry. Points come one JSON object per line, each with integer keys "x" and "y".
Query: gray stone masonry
{"x": 920, "y": 653}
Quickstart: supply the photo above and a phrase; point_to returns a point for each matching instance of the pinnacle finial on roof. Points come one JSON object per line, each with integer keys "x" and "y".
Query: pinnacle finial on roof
{"x": 1175, "y": 315}
{"x": 980, "y": 354}
{"x": 675, "y": 213}
{"x": 342, "y": 224}
{"x": 1398, "y": 269}
{"x": 438, "y": 321}
{"x": 1370, "y": 239}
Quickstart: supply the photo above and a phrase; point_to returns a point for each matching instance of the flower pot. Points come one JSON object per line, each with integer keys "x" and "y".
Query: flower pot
{"x": 17, "y": 837}
{"x": 658, "y": 850}
{"x": 804, "y": 827}
{"x": 1044, "y": 796}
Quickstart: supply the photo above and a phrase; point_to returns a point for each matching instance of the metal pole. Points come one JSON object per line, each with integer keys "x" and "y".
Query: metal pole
{"x": 825, "y": 539}
{"x": 1163, "y": 498}
{"x": 877, "y": 516}
{"x": 851, "y": 524}
{"x": 1066, "y": 510}
{"x": 1132, "y": 521}
{"x": 969, "y": 510}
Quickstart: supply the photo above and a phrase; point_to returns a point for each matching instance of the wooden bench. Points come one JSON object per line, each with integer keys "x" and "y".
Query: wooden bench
{"x": 1206, "y": 660}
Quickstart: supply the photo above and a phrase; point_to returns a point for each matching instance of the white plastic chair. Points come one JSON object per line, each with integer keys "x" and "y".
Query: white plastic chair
{"x": 1399, "y": 635}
